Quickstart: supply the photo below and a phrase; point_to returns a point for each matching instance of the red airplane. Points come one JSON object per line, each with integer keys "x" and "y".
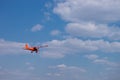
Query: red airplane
{"x": 35, "y": 48}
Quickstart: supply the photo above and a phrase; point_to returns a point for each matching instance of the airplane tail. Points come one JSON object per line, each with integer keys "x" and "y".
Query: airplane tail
{"x": 26, "y": 46}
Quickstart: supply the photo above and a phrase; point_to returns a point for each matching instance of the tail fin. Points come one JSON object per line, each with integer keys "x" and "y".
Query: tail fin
{"x": 26, "y": 46}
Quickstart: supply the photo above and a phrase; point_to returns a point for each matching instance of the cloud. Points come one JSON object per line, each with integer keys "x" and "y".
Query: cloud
{"x": 61, "y": 48}
{"x": 17, "y": 75}
{"x": 37, "y": 27}
{"x": 65, "y": 72}
{"x": 53, "y": 72}
{"x": 47, "y": 15}
{"x": 9, "y": 47}
{"x": 92, "y": 30}
{"x": 113, "y": 75}
{"x": 62, "y": 71}
{"x": 48, "y": 5}
{"x": 92, "y": 56}
{"x": 103, "y": 61}
{"x": 55, "y": 32}
{"x": 61, "y": 66}
{"x": 89, "y": 18}
{"x": 88, "y": 10}
{"x": 65, "y": 67}
{"x": 53, "y": 53}
{"x": 30, "y": 66}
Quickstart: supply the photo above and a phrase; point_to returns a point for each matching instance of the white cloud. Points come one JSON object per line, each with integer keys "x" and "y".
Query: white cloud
{"x": 9, "y": 47}
{"x": 103, "y": 61}
{"x": 68, "y": 68}
{"x": 55, "y": 32}
{"x": 53, "y": 53}
{"x": 37, "y": 27}
{"x": 28, "y": 63}
{"x": 113, "y": 75}
{"x": 60, "y": 48}
{"x": 31, "y": 68}
{"x": 54, "y": 74}
{"x": 17, "y": 75}
{"x": 92, "y": 30}
{"x": 89, "y": 18}
{"x": 47, "y": 15}
{"x": 89, "y": 10}
{"x": 63, "y": 71}
{"x": 61, "y": 66}
{"x": 48, "y": 5}
{"x": 92, "y": 56}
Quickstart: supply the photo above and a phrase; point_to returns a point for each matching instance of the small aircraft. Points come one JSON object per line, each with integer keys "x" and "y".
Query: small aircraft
{"x": 35, "y": 48}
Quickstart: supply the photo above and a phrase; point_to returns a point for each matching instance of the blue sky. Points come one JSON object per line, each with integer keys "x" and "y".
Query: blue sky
{"x": 83, "y": 39}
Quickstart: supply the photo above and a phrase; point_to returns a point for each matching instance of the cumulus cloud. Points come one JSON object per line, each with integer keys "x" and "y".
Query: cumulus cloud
{"x": 92, "y": 30}
{"x": 89, "y": 10}
{"x": 61, "y": 66}
{"x": 48, "y": 5}
{"x": 113, "y": 75}
{"x": 37, "y": 27}
{"x": 63, "y": 71}
{"x": 47, "y": 16}
{"x": 92, "y": 56}
{"x": 30, "y": 66}
{"x": 9, "y": 47}
{"x": 87, "y": 30}
{"x": 17, "y": 75}
{"x": 60, "y": 48}
{"x": 89, "y": 18}
{"x": 65, "y": 67}
{"x": 103, "y": 61}
{"x": 55, "y": 32}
